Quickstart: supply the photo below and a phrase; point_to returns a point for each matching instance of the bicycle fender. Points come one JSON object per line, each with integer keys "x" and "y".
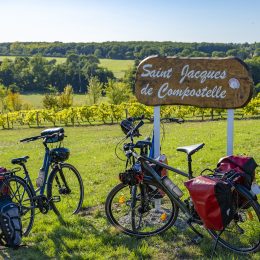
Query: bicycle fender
{"x": 249, "y": 194}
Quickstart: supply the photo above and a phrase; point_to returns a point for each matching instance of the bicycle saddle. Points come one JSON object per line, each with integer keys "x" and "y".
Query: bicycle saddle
{"x": 20, "y": 160}
{"x": 191, "y": 149}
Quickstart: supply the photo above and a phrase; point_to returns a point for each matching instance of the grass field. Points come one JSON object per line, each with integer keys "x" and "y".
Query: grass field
{"x": 118, "y": 67}
{"x": 88, "y": 235}
{"x": 36, "y": 99}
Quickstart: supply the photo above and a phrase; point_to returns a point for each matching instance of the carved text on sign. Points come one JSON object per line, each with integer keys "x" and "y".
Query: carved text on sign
{"x": 223, "y": 83}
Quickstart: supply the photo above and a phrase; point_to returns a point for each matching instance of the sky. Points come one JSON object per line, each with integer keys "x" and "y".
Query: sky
{"x": 224, "y": 21}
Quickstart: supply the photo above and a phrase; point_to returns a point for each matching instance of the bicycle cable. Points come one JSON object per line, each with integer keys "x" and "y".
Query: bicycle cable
{"x": 116, "y": 154}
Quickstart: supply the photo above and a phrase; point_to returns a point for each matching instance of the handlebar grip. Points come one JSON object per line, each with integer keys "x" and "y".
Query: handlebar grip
{"x": 131, "y": 132}
{"x": 138, "y": 126}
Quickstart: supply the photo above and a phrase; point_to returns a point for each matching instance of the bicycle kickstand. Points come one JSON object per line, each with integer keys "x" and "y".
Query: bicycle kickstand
{"x": 199, "y": 236}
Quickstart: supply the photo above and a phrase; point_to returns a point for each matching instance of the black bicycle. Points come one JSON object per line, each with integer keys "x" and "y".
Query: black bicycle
{"x": 146, "y": 204}
{"x": 64, "y": 186}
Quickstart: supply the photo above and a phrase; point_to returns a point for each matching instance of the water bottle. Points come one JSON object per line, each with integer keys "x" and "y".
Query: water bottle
{"x": 40, "y": 179}
{"x": 171, "y": 186}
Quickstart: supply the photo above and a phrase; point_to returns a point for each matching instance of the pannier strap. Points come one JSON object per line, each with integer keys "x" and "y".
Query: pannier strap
{"x": 191, "y": 149}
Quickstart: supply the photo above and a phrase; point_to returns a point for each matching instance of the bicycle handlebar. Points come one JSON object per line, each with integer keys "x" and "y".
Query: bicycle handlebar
{"x": 30, "y": 139}
{"x": 131, "y": 132}
{"x": 34, "y": 138}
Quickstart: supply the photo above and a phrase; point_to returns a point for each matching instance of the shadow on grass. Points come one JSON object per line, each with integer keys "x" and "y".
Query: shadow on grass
{"x": 90, "y": 236}
{"x": 23, "y": 252}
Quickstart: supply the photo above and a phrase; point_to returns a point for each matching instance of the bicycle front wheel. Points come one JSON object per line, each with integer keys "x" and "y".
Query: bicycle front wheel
{"x": 141, "y": 210}
{"x": 242, "y": 235}
{"x": 21, "y": 194}
{"x": 65, "y": 190}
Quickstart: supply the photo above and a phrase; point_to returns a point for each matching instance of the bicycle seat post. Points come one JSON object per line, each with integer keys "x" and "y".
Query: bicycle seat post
{"x": 24, "y": 168}
{"x": 189, "y": 166}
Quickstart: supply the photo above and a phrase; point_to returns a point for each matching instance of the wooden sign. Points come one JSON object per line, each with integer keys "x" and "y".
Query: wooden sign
{"x": 201, "y": 82}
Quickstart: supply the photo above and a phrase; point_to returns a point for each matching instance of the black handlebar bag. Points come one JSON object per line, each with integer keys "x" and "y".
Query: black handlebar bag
{"x": 212, "y": 199}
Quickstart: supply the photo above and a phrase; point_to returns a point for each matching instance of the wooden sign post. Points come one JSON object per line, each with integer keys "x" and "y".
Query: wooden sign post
{"x": 202, "y": 82}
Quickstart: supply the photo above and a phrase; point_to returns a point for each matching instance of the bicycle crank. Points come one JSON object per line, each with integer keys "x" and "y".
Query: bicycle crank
{"x": 42, "y": 203}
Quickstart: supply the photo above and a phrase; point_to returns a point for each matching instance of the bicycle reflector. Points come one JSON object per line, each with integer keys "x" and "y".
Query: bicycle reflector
{"x": 121, "y": 199}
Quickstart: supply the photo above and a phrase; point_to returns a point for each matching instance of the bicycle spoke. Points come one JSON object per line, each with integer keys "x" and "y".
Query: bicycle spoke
{"x": 135, "y": 213}
{"x": 66, "y": 183}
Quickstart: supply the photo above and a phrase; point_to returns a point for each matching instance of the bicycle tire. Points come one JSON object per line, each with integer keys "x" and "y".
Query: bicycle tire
{"x": 21, "y": 194}
{"x": 66, "y": 189}
{"x": 244, "y": 224}
{"x": 112, "y": 208}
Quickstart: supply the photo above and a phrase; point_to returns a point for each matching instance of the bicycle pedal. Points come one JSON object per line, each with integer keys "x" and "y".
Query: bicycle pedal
{"x": 55, "y": 199}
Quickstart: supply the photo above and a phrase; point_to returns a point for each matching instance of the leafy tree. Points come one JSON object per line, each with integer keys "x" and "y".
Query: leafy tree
{"x": 254, "y": 65}
{"x": 94, "y": 90}
{"x": 13, "y": 101}
{"x": 117, "y": 92}
{"x": 218, "y": 54}
{"x": 256, "y": 52}
{"x": 3, "y": 94}
{"x": 65, "y": 99}
{"x": 232, "y": 52}
{"x": 6, "y": 72}
{"x": 98, "y": 53}
{"x": 129, "y": 77}
{"x": 50, "y": 101}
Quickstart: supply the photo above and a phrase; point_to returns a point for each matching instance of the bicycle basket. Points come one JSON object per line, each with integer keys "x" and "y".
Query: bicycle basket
{"x": 60, "y": 154}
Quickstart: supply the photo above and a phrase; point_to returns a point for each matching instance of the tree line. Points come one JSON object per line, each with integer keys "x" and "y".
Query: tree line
{"x": 131, "y": 50}
{"x": 39, "y": 74}
{"x": 32, "y": 72}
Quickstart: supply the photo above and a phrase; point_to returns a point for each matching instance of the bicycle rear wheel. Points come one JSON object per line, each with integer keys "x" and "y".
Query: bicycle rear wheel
{"x": 242, "y": 235}
{"x": 66, "y": 184}
{"x": 141, "y": 210}
{"x": 21, "y": 194}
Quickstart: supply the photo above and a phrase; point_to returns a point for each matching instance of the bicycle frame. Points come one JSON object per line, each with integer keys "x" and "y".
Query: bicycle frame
{"x": 154, "y": 175}
{"x": 45, "y": 166}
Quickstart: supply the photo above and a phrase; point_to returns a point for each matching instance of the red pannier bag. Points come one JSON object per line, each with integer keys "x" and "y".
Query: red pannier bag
{"x": 212, "y": 199}
{"x": 244, "y": 166}
{"x": 4, "y": 190}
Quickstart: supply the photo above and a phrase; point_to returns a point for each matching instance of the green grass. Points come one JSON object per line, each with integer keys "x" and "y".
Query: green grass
{"x": 36, "y": 99}
{"x": 89, "y": 236}
{"x": 118, "y": 67}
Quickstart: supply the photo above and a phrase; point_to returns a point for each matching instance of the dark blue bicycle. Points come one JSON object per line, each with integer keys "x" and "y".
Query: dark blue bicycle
{"x": 63, "y": 186}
